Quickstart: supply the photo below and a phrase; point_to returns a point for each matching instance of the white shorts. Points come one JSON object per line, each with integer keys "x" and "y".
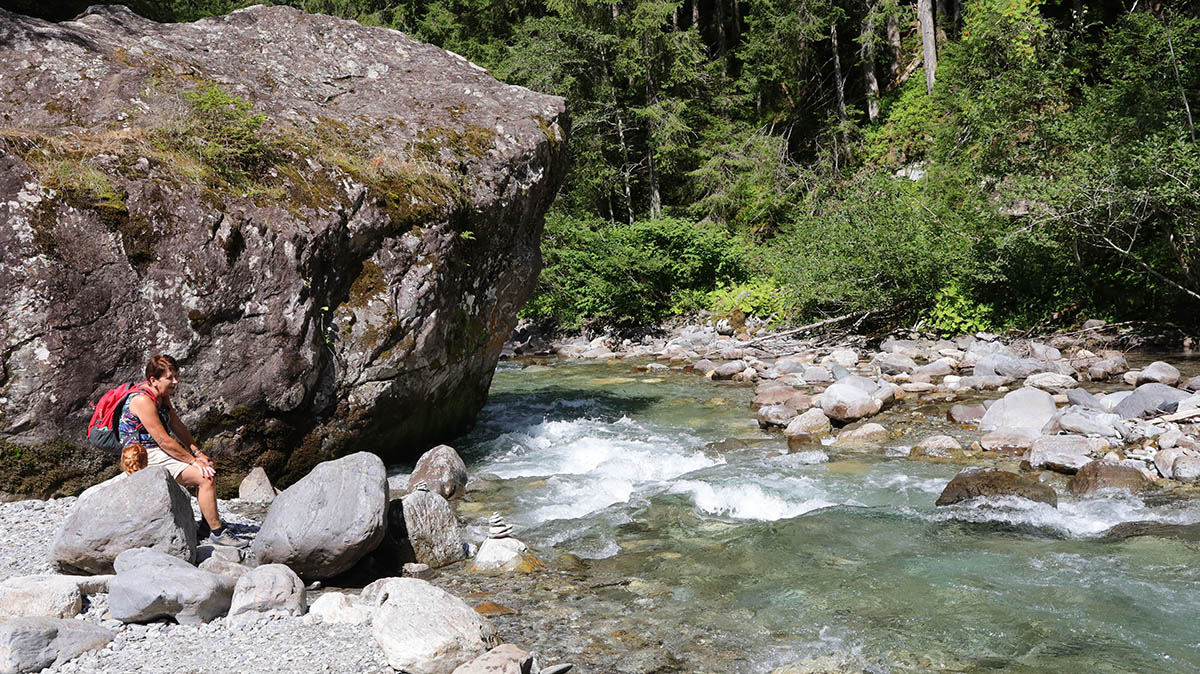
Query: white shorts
{"x": 155, "y": 456}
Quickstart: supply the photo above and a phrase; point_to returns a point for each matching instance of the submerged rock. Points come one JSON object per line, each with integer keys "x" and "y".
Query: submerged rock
{"x": 993, "y": 483}
{"x": 361, "y": 287}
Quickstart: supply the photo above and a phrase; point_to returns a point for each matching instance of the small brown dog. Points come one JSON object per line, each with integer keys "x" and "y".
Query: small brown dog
{"x": 133, "y": 458}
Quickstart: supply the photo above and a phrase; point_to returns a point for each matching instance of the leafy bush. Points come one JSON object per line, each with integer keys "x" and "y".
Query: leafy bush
{"x": 629, "y": 274}
{"x": 220, "y": 131}
{"x": 955, "y": 312}
{"x": 758, "y": 296}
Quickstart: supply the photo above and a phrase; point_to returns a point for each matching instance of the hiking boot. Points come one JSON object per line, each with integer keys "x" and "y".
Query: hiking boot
{"x": 227, "y": 538}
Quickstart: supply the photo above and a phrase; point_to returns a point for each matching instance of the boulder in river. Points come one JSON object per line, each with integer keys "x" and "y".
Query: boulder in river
{"x": 503, "y": 659}
{"x": 1051, "y": 381}
{"x": 1106, "y": 475}
{"x": 812, "y": 423}
{"x": 863, "y": 436}
{"x": 846, "y": 403}
{"x": 268, "y": 590}
{"x": 993, "y": 483}
{"x": 432, "y": 530}
{"x": 725, "y": 371}
{"x": 1159, "y": 372}
{"x": 336, "y": 285}
{"x": 1186, "y": 468}
{"x": 35, "y": 643}
{"x": 422, "y": 629}
{"x": 442, "y": 470}
{"x": 1009, "y": 441}
{"x": 965, "y": 414}
{"x": 1192, "y": 384}
{"x": 144, "y": 509}
{"x": 327, "y": 521}
{"x": 1025, "y": 407}
{"x": 1149, "y": 400}
{"x": 1064, "y": 453}
{"x": 1107, "y": 368}
{"x": 937, "y": 447}
{"x": 775, "y": 416}
{"x": 1084, "y": 421}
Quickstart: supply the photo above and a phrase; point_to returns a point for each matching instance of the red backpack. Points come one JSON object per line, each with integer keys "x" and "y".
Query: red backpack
{"x": 102, "y": 430}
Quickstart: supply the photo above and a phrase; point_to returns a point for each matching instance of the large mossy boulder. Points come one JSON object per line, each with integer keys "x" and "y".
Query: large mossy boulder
{"x": 339, "y": 266}
{"x": 992, "y": 483}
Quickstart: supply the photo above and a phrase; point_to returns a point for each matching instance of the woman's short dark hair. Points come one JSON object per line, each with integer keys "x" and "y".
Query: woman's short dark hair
{"x": 160, "y": 366}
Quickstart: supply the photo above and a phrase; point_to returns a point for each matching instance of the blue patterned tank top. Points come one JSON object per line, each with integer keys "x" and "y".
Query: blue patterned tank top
{"x": 130, "y": 429}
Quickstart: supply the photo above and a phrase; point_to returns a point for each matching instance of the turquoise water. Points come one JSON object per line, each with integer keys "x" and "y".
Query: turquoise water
{"x": 666, "y": 478}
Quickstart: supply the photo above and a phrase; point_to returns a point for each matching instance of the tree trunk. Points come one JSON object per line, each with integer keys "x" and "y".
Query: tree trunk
{"x": 868, "y": 59}
{"x": 624, "y": 166}
{"x": 719, "y": 18}
{"x": 655, "y": 197}
{"x": 696, "y": 14}
{"x": 893, "y": 38}
{"x": 941, "y": 20}
{"x": 737, "y": 20}
{"x": 928, "y": 41}
{"x": 839, "y": 84}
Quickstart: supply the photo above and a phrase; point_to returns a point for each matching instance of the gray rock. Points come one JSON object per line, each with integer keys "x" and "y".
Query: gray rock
{"x": 417, "y": 570}
{"x": 894, "y": 363}
{"x": 982, "y": 383}
{"x": 811, "y": 423}
{"x": 1009, "y": 441}
{"x": 1164, "y": 460}
{"x": 442, "y": 470}
{"x": 1192, "y": 384}
{"x": 252, "y": 285}
{"x": 1044, "y": 352}
{"x": 1003, "y": 365}
{"x": 775, "y": 416}
{"x": 327, "y": 521}
{"x": 150, "y": 585}
{"x": 1186, "y": 468}
{"x": 269, "y": 590}
{"x": 817, "y": 375}
{"x": 1064, "y": 453}
{"x": 1083, "y": 421}
{"x": 423, "y": 629}
{"x": 938, "y": 368}
{"x": 965, "y": 414}
{"x": 937, "y": 447}
{"x": 863, "y": 436}
{"x": 1159, "y": 372}
{"x": 775, "y": 395}
{"x": 1106, "y": 475}
{"x": 432, "y": 529}
{"x": 991, "y": 483}
{"x": 503, "y": 659}
{"x": 1051, "y": 381}
{"x": 846, "y": 403}
{"x": 725, "y": 371}
{"x": 1024, "y": 408}
{"x": 1107, "y": 368}
{"x": 1094, "y": 324}
{"x": 224, "y": 567}
{"x": 256, "y": 487}
{"x": 792, "y": 365}
{"x": 145, "y": 509}
{"x": 844, "y": 357}
{"x": 338, "y": 608}
{"x": 34, "y": 643}
{"x": 49, "y": 596}
{"x": 498, "y": 555}
{"x": 1081, "y": 398}
{"x": 1149, "y": 400}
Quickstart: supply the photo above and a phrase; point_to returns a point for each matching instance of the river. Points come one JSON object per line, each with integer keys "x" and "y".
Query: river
{"x": 735, "y": 555}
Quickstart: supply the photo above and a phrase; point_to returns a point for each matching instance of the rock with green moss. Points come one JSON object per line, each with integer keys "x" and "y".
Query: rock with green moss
{"x": 330, "y": 226}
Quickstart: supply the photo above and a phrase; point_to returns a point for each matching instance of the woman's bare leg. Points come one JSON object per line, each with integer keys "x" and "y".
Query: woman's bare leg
{"x": 206, "y": 494}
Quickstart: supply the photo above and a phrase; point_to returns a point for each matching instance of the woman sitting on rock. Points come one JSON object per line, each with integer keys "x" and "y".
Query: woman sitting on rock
{"x": 147, "y": 415}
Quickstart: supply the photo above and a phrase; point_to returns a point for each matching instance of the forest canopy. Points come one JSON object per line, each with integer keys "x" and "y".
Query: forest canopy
{"x": 975, "y": 164}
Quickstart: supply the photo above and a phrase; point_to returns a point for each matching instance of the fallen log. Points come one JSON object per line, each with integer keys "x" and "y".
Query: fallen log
{"x": 810, "y": 326}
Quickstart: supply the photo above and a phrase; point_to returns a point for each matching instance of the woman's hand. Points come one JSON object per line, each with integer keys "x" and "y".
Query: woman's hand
{"x": 205, "y": 464}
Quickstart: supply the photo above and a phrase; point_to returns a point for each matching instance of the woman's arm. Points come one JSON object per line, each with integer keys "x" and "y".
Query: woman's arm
{"x": 185, "y": 436}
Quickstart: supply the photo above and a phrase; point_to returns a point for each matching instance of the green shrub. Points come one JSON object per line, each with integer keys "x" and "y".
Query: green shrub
{"x": 629, "y": 274}
{"x": 759, "y": 296}
{"x": 955, "y": 312}
{"x": 220, "y": 131}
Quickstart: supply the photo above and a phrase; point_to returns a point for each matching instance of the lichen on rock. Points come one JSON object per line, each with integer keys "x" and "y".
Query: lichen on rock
{"x": 331, "y": 226}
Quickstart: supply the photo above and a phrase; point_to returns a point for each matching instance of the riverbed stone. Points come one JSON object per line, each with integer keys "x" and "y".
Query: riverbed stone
{"x": 1051, "y": 381}
{"x": 1009, "y": 441}
{"x": 1064, "y": 453}
{"x": 144, "y": 509}
{"x": 775, "y": 416}
{"x": 503, "y": 659}
{"x": 846, "y": 403}
{"x": 965, "y": 414}
{"x": 1082, "y": 421}
{"x": 775, "y": 395}
{"x": 811, "y": 423}
{"x": 33, "y": 643}
{"x": 725, "y": 371}
{"x": 977, "y": 482}
{"x": 1159, "y": 372}
{"x": 1149, "y": 400}
{"x": 865, "y": 435}
{"x": 267, "y": 590}
{"x": 502, "y": 555}
{"x": 256, "y": 487}
{"x": 1098, "y": 475}
{"x": 938, "y": 368}
{"x": 328, "y": 520}
{"x": 150, "y": 585}
{"x": 895, "y": 363}
{"x": 1107, "y": 368}
{"x": 799, "y": 401}
{"x": 1043, "y": 351}
{"x": 1004, "y": 365}
{"x": 817, "y": 375}
{"x": 937, "y": 447}
{"x": 339, "y": 608}
{"x": 423, "y": 629}
{"x": 442, "y": 470}
{"x": 1164, "y": 460}
{"x": 1192, "y": 384}
{"x": 1186, "y": 468}
{"x": 792, "y": 365}
{"x": 1025, "y": 407}
{"x": 432, "y": 530}
{"x": 1082, "y": 398}
{"x": 52, "y": 596}
{"x": 844, "y": 357}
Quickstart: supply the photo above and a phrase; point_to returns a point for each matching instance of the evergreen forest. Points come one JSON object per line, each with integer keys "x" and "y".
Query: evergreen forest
{"x": 962, "y": 164}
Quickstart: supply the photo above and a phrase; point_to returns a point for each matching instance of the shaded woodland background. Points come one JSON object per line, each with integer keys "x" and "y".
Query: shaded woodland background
{"x": 968, "y": 164}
